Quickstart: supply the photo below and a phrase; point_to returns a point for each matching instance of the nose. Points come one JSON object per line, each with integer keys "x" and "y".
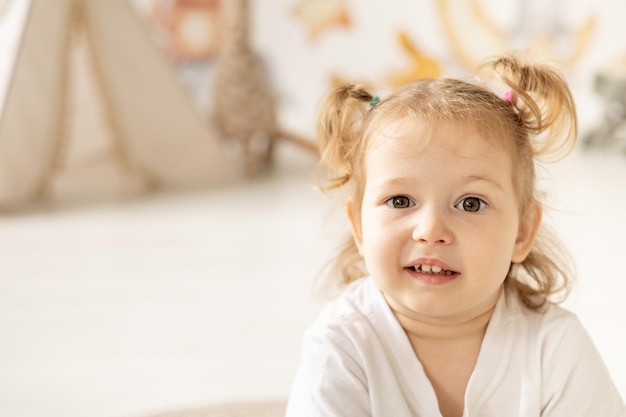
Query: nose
{"x": 432, "y": 227}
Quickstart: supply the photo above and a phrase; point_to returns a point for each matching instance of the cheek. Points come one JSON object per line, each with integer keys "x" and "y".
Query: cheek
{"x": 372, "y": 230}
{"x": 382, "y": 241}
{"x": 495, "y": 249}
{"x": 377, "y": 227}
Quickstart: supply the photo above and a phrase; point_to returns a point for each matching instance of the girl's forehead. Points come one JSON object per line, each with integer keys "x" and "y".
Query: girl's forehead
{"x": 445, "y": 154}
{"x": 458, "y": 137}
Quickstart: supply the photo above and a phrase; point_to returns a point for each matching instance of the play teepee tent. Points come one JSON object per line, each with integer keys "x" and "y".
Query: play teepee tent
{"x": 156, "y": 134}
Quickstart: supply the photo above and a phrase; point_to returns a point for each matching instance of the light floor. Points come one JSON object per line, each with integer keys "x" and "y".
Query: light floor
{"x": 178, "y": 300}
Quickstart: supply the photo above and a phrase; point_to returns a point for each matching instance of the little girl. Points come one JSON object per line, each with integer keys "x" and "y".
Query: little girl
{"x": 448, "y": 282}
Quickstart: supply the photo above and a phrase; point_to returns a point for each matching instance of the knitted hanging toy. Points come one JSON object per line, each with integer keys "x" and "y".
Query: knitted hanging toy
{"x": 610, "y": 130}
{"x": 244, "y": 102}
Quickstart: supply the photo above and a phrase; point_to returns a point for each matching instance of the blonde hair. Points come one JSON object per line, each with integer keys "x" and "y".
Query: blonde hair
{"x": 537, "y": 121}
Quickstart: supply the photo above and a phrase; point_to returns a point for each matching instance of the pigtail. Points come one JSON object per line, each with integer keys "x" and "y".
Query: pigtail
{"x": 544, "y": 104}
{"x": 545, "y": 111}
{"x": 338, "y": 128}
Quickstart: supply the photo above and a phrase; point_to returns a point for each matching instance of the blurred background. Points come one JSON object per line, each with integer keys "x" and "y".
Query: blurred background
{"x": 160, "y": 235}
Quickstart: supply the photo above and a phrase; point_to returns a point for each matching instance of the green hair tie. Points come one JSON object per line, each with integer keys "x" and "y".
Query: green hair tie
{"x": 374, "y": 101}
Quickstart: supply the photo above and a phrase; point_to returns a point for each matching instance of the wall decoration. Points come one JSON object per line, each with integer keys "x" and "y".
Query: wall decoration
{"x": 537, "y": 26}
{"x": 190, "y": 29}
{"x": 419, "y": 64}
{"x": 189, "y": 32}
{"x": 321, "y": 15}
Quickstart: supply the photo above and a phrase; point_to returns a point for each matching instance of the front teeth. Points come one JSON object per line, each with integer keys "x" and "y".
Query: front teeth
{"x": 432, "y": 269}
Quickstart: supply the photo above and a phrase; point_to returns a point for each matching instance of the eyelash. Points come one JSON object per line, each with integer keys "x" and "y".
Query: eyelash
{"x": 391, "y": 202}
{"x": 481, "y": 204}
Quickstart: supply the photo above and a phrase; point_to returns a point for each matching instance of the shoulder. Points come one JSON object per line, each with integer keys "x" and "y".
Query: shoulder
{"x": 550, "y": 333}
{"x": 574, "y": 378}
{"x": 356, "y": 334}
{"x": 348, "y": 318}
{"x": 332, "y": 372}
{"x": 552, "y": 323}
{"x": 528, "y": 340}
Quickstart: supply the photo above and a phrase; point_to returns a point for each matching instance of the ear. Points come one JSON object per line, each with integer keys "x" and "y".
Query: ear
{"x": 527, "y": 232}
{"x": 355, "y": 224}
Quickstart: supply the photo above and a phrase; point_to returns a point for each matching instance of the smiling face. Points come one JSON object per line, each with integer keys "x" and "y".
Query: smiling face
{"x": 439, "y": 224}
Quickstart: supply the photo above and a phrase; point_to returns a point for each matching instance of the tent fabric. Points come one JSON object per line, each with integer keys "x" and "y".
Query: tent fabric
{"x": 156, "y": 132}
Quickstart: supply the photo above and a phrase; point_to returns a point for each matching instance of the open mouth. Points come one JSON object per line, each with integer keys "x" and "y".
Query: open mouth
{"x": 431, "y": 269}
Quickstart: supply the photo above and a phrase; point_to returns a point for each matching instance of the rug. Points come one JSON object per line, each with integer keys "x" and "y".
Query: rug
{"x": 233, "y": 409}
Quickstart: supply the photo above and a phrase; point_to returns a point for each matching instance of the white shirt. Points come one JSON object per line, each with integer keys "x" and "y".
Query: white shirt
{"x": 357, "y": 361}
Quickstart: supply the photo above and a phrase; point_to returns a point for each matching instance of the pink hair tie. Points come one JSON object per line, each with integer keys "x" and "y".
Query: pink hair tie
{"x": 510, "y": 97}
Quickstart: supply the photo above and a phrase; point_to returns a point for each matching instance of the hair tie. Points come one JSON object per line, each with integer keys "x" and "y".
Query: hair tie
{"x": 510, "y": 97}
{"x": 374, "y": 101}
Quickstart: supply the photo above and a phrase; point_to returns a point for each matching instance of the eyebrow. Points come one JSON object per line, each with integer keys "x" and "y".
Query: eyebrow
{"x": 395, "y": 181}
{"x": 402, "y": 181}
{"x": 482, "y": 178}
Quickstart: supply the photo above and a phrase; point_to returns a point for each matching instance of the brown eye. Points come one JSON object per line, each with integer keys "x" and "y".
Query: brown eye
{"x": 399, "y": 202}
{"x": 471, "y": 204}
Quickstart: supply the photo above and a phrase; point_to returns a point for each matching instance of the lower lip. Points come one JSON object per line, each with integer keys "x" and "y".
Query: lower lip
{"x": 431, "y": 279}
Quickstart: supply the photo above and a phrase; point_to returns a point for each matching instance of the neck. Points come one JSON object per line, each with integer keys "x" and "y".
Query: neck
{"x": 462, "y": 326}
